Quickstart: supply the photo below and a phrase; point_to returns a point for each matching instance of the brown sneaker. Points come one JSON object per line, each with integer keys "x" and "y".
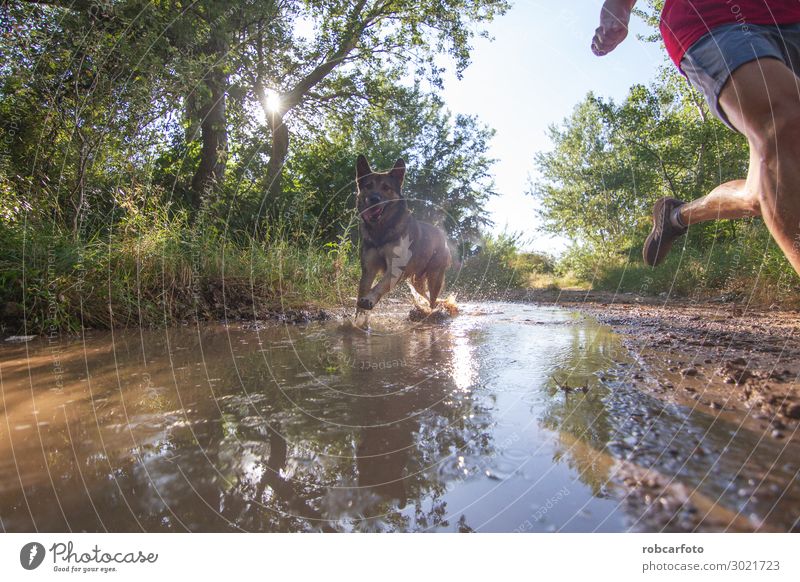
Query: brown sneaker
{"x": 659, "y": 243}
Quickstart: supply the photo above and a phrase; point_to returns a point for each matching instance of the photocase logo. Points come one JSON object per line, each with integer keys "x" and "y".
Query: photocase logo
{"x": 31, "y": 555}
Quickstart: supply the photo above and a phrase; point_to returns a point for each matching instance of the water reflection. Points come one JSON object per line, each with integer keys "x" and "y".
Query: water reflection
{"x": 413, "y": 427}
{"x": 741, "y": 479}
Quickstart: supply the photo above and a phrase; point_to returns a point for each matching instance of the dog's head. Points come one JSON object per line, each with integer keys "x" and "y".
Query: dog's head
{"x": 379, "y": 193}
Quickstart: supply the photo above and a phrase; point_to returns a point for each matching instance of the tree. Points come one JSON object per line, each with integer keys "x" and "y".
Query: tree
{"x": 611, "y": 162}
{"x": 449, "y": 172}
{"x": 353, "y": 43}
{"x": 209, "y": 56}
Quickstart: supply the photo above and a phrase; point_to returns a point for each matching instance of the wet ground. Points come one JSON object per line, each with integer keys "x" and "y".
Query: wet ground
{"x": 509, "y": 417}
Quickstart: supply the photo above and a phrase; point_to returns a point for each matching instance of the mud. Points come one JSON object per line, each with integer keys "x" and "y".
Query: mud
{"x": 506, "y": 417}
{"x": 738, "y": 362}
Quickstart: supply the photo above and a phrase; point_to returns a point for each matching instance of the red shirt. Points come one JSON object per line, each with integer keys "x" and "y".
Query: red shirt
{"x": 683, "y": 22}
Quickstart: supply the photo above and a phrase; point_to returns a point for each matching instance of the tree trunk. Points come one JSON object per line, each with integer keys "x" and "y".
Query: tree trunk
{"x": 213, "y": 128}
{"x": 280, "y": 148}
{"x": 290, "y": 99}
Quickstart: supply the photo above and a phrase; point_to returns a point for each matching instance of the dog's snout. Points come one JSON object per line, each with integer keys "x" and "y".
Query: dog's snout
{"x": 374, "y": 198}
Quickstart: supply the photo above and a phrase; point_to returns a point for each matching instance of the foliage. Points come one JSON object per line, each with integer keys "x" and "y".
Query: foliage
{"x": 133, "y": 122}
{"x": 496, "y": 266}
{"x": 161, "y": 270}
{"x": 449, "y": 177}
{"x": 611, "y": 161}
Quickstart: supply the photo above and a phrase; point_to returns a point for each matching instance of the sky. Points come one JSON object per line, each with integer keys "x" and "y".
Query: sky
{"x": 534, "y": 72}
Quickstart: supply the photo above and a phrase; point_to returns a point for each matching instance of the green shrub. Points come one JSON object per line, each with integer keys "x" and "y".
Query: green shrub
{"x": 159, "y": 269}
{"x": 497, "y": 266}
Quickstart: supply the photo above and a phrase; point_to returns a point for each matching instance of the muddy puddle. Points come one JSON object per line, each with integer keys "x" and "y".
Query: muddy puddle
{"x": 510, "y": 417}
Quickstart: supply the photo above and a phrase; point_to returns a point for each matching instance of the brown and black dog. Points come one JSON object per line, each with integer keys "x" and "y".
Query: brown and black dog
{"x": 394, "y": 244}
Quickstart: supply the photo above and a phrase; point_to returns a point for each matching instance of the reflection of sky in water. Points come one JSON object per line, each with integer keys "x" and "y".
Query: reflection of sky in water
{"x": 414, "y": 427}
{"x": 463, "y": 366}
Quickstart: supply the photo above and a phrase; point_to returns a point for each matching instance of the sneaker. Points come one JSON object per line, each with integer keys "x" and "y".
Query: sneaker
{"x": 659, "y": 243}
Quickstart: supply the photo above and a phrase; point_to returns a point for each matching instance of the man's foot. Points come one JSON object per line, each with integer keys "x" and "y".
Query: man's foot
{"x": 659, "y": 243}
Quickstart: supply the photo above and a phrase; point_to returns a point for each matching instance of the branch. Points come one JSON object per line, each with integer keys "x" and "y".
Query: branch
{"x": 661, "y": 164}
{"x": 350, "y": 41}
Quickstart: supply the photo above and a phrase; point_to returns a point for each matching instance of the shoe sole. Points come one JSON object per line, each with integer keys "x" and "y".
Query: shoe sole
{"x": 659, "y": 222}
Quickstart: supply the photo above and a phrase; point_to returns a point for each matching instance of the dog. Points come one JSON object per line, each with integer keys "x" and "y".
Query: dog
{"x": 394, "y": 244}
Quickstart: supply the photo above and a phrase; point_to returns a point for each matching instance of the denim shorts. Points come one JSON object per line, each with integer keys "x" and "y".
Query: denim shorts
{"x": 709, "y": 62}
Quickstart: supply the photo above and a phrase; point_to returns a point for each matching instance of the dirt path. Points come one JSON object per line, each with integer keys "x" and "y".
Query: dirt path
{"x": 737, "y": 362}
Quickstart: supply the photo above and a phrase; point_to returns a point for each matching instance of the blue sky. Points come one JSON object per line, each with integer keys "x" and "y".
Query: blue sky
{"x": 537, "y": 68}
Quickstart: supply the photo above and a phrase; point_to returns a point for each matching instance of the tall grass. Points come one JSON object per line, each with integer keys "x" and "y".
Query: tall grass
{"x": 741, "y": 263}
{"x": 160, "y": 269}
{"x": 749, "y": 266}
{"x": 497, "y": 267}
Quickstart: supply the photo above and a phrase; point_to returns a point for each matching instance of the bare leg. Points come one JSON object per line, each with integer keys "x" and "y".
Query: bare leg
{"x": 729, "y": 200}
{"x": 762, "y": 100}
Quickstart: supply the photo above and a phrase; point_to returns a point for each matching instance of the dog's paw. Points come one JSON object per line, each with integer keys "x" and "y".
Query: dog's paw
{"x": 365, "y": 303}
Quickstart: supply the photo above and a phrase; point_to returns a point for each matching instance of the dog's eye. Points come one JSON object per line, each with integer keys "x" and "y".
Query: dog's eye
{"x": 384, "y": 187}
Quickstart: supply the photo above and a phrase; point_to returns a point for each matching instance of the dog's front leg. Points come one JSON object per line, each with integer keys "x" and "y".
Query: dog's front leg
{"x": 364, "y": 288}
{"x": 394, "y": 272}
{"x": 371, "y": 264}
{"x": 365, "y": 301}
{"x": 386, "y": 283}
{"x": 362, "y": 319}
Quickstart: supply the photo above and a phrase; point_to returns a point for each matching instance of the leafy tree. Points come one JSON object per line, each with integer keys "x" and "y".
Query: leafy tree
{"x": 355, "y": 45}
{"x": 611, "y": 162}
{"x": 163, "y": 94}
{"x": 449, "y": 171}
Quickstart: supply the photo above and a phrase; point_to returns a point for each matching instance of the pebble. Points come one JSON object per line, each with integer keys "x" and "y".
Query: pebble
{"x": 776, "y": 434}
{"x": 689, "y": 372}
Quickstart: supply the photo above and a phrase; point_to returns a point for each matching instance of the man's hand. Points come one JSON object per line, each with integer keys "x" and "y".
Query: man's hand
{"x": 614, "y": 19}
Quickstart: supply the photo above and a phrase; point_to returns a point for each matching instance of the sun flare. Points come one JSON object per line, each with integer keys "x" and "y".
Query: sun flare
{"x": 273, "y": 101}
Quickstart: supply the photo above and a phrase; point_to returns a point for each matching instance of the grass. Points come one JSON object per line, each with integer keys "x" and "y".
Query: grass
{"x": 749, "y": 267}
{"x": 745, "y": 266}
{"x": 499, "y": 267}
{"x": 162, "y": 271}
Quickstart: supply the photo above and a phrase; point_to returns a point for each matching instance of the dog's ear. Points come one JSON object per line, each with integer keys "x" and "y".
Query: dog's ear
{"x": 399, "y": 170}
{"x": 362, "y": 167}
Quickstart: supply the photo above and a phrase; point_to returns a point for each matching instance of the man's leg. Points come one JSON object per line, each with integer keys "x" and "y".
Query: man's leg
{"x": 734, "y": 199}
{"x": 762, "y": 100}
{"x": 729, "y": 200}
